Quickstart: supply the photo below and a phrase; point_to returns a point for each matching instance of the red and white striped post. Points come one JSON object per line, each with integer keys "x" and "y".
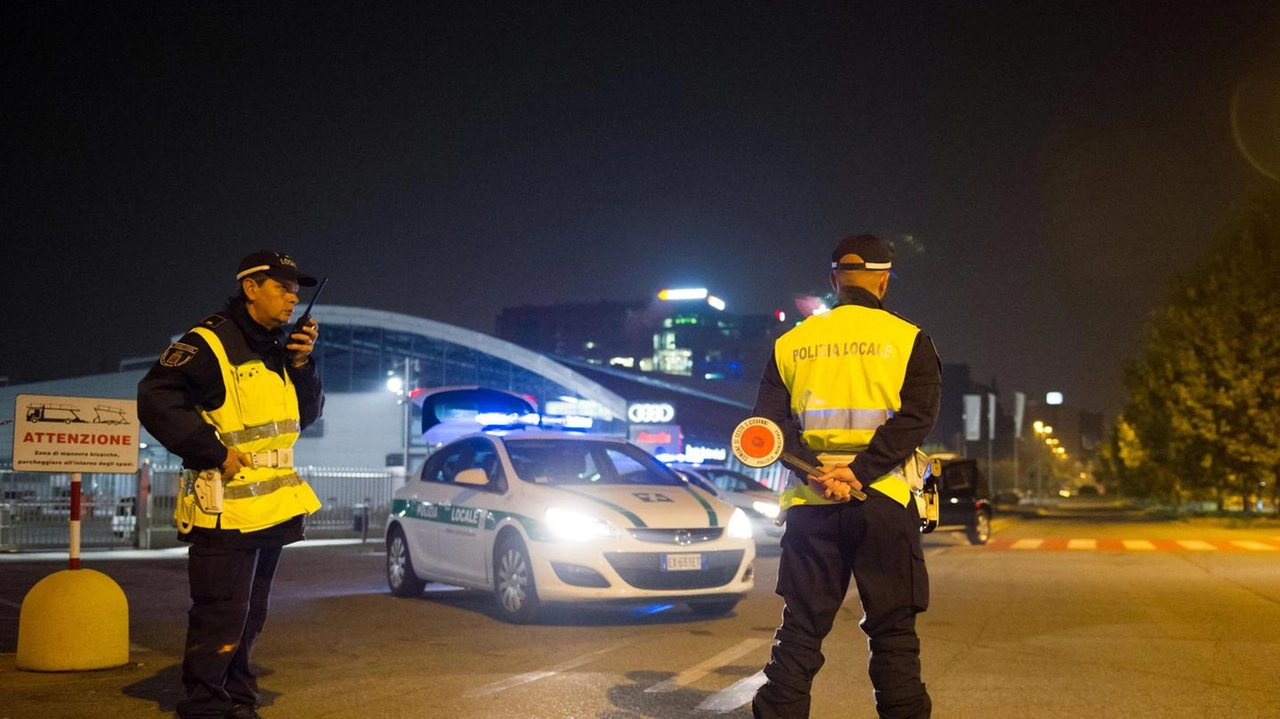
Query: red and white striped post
{"x": 75, "y": 521}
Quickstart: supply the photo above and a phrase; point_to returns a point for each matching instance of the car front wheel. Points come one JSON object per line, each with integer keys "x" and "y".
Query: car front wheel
{"x": 980, "y": 531}
{"x": 400, "y": 575}
{"x": 513, "y": 587}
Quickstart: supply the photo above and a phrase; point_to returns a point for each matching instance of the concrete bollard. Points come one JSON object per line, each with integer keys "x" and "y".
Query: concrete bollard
{"x": 73, "y": 620}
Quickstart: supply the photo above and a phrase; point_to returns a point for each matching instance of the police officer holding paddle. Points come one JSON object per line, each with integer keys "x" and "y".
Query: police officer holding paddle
{"x": 230, "y": 398}
{"x": 855, "y": 391}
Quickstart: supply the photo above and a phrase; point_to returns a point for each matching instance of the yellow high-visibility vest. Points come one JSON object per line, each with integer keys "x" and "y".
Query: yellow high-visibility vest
{"x": 845, "y": 370}
{"x": 260, "y": 413}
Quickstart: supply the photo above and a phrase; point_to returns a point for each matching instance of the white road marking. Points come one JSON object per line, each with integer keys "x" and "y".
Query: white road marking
{"x": 1089, "y": 544}
{"x": 1254, "y": 545}
{"x": 1197, "y": 545}
{"x": 1027, "y": 544}
{"x": 1139, "y": 544}
{"x": 739, "y": 694}
{"x": 701, "y": 669}
{"x": 528, "y": 677}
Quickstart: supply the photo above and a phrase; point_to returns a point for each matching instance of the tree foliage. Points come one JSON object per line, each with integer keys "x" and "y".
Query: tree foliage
{"x": 1202, "y": 418}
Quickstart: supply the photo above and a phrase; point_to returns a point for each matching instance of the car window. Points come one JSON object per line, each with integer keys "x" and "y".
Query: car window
{"x": 475, "y": 453}
{"x": 584, "y": 462}
{"x": 444, "y": 464}
{"x": 731, "y": 481}
{"x": 959, "y": 477}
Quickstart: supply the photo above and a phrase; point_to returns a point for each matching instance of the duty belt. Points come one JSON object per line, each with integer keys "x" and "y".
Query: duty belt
{"x": 273, "y": 458}
{"x": 258, "y": 489}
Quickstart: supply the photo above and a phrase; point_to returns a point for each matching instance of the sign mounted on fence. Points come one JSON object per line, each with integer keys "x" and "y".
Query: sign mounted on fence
{"x": 75, "y": 434}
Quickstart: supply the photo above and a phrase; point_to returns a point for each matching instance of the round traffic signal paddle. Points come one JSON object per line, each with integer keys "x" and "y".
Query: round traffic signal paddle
{"x": 757, "y": 442}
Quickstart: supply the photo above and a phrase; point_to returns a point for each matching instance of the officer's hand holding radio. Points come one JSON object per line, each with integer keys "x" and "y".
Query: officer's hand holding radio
{"x": 302, "y": 341}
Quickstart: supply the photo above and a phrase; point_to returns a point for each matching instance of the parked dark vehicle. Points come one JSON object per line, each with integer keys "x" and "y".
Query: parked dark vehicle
{"x": 962, "y": 499}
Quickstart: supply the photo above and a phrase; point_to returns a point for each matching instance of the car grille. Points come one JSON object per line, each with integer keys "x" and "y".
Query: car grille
{"x": 680, "y": 537}
{"x": 644, "y": 570}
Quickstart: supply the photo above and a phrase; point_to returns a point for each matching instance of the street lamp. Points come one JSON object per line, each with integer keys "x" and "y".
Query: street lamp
{"x": 399, "y": 386}
{"x": 1042, "y": 438}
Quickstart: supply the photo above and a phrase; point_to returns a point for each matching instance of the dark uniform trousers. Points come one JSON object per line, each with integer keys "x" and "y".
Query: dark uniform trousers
{"x": 878, "y": 542}
{"x": 230, "y": 590}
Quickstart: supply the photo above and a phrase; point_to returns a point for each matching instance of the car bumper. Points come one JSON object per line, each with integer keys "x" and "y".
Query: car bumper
{"x": 629, "y": 571}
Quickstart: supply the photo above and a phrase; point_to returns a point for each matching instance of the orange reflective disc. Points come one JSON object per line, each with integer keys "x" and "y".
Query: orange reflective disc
{"x": 757, "y": 442}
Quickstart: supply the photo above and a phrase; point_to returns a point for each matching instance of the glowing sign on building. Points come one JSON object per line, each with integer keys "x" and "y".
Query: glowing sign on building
{"x": 691, "y": 293}
{"x": 651, "y": 412}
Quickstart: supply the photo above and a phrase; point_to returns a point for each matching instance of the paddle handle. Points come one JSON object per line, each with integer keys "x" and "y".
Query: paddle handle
{"x": 815, "y": 472}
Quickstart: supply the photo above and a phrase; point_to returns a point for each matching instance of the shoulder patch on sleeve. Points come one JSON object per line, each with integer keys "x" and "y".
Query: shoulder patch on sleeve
{"x": 213, "y": 321}
{"x": 177, "y": 354}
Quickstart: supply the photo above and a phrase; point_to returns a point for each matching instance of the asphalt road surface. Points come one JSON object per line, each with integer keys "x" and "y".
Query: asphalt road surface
{"x": 1064, "y": 617}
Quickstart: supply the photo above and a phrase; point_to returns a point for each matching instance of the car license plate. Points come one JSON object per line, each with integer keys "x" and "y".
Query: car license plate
{"x": 681, "y": 562}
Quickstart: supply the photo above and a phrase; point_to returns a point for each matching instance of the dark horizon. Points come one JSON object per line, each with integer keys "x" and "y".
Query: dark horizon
{"x": 1046, "y": 170}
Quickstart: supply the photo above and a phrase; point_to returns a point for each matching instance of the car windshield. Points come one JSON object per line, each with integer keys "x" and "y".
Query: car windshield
{"x": 583, "y": 462}
{"x": 697, "y": 481}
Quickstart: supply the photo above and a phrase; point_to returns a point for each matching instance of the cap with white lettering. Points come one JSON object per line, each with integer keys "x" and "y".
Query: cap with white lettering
{"x": 277, "y": 265}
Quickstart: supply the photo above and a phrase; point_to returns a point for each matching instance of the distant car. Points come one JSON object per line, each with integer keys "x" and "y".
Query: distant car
{"x": 125, "y": 521}
{"x": 1008, "y": 497}
{"x": 22, "y": 504}
{"x": 962, "y": 500}
{"x": 539, "y": 516}
{"x": 758, "y": 501}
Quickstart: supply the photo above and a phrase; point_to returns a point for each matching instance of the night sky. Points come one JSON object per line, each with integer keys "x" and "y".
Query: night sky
{"x": 1044, "y": 167}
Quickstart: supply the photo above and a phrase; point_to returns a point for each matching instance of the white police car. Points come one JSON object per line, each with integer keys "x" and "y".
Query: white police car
{"x": 550, "y": 516}
{"x": 757, "y": 501}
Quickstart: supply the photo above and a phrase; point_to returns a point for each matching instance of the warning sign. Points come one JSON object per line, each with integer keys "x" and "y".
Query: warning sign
{"x": 75, "y": 434}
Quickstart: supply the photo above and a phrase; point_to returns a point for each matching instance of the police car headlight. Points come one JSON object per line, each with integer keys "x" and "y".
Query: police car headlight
{"x": 577, "y": 527}
{"x": 768, "y": 509}
{"x": 739, "y": 525}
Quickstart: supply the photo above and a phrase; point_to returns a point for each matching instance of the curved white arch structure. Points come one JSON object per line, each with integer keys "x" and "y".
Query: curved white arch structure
{"x": 516, "y": 355}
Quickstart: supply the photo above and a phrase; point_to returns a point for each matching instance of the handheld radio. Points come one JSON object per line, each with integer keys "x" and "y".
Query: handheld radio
{"x": 306, "y": 315}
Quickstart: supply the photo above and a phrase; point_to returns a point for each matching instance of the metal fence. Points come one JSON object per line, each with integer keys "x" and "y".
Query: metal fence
{"x": 35, "y": 508}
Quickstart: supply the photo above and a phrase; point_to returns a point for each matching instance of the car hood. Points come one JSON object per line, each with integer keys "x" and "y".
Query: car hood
{"x": 659, "y": 506}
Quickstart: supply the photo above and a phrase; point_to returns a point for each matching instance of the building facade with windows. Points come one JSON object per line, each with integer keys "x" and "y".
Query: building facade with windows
{"x": 681, "y": 333}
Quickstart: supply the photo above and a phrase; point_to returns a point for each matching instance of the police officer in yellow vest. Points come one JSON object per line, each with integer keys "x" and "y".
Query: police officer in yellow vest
{"x": 855, "y": 390}
{"x": 230, "y": 398}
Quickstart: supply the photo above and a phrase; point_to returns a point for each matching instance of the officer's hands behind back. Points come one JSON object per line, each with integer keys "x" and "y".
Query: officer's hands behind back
{"x": 836, "y": 483}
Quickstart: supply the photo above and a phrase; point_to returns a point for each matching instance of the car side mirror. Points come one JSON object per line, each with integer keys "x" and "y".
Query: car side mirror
{"x": 472, "y": 477}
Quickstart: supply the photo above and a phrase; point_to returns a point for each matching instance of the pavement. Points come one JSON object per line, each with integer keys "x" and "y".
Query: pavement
{"x": 148, "y": 685}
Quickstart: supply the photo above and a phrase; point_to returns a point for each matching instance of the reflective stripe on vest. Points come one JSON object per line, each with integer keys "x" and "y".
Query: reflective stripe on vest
{"x": 816, "y": 419}
{"x": 265, "y": 487}
{"x": 262, "y": 431}
{"x": 845, "y": 370}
